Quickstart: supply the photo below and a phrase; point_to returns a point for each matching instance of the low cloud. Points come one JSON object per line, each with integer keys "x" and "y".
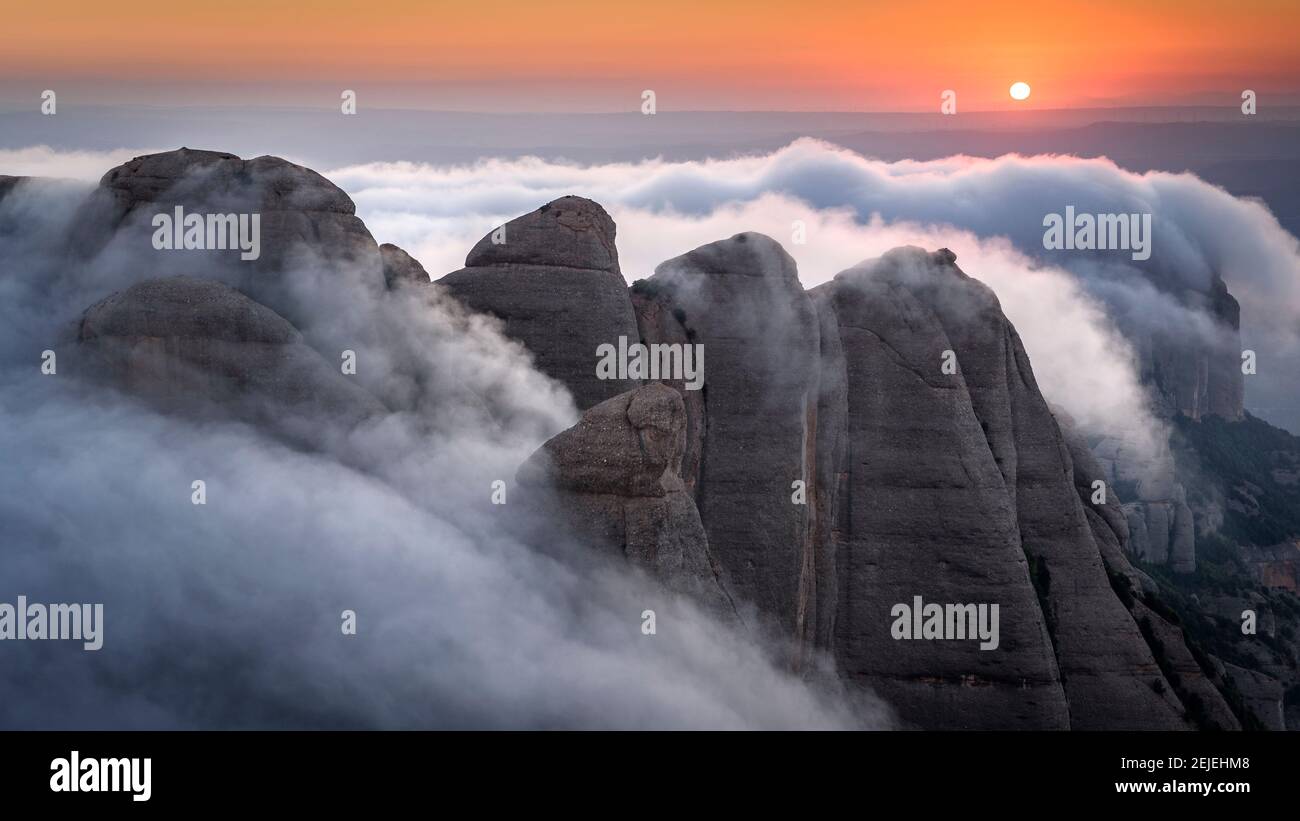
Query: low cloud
{"x": 44, "y": 161}
{"x": 228, "y": 614}
{"x": 1077, "y": 312}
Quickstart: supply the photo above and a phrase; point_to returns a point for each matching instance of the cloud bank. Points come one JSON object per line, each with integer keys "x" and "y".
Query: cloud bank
{"x": 229, "y": 614}
{"x": 1074, "y": 310}
{"x": 44, "y": 161}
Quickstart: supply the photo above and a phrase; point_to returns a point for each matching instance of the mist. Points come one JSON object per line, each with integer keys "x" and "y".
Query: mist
{"x": 228, "y": 614}
{"x": 1077, "y": 312}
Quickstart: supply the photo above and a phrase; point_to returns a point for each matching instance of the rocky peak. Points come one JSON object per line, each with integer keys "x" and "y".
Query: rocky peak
{"x": 570, "y": 232}
{"x": 552, "y": 277}
{"x": 305, "y": 223}
{"x": 265, "y": 183}
{"x": 746, "y": 254}
{"x": 829, "y": 470}
{"x": 400, "y": 267}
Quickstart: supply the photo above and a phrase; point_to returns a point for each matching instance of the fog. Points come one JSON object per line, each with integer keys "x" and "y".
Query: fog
{"x": 1077, "y": 312}
{"x": 229, "y": 614}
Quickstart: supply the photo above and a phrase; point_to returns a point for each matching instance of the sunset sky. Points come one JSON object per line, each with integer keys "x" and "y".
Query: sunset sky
{"x": 598, "y": 55}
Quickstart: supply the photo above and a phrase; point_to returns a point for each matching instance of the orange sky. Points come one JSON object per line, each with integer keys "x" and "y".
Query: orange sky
{"x": 702, "y": 54}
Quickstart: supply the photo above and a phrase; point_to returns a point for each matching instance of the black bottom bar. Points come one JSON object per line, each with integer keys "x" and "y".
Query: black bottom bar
{"x": 331, "y": 770}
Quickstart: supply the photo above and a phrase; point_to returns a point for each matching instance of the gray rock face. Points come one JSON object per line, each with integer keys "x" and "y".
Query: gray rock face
{"x": 630, "y": 445}
{"x": 305, "y": 220}
{"x": 657, "y": 322}
{"x": 616, "y": 482}
{"x": 1163, "y": 532}
{"x": 961, "y": 489}
{"x": 401, "y": 268}
{"x": 1105, "y": 664}
{"x": 1192, "y": 376}
{"x": 571, "y": 232}
{"x": 1226, "y": 389}
{"x": 1159, "y": 528}
{"x": 829, "y": 497}
{"x": 1182, "y": 540}
{"x": 191, "y": 344}
{"x": 741, "y": 300}
{"x": 1183, "y": 682}
{"x": 1192, "y": 684}
{"x": 1262, "y": 695}
{"x": 1162, "y": 525}
{"x": 1137, "y": 526}
{"x": 555, "y": 281}
{"x": 954, "y": 486}
{"x": 928, "y": 510}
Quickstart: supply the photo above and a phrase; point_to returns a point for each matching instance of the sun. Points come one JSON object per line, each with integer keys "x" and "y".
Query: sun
{"x": 1020, "y": 91}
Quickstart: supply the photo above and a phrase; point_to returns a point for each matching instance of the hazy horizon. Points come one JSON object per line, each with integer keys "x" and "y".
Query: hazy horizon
{"x": 588, "y": 55}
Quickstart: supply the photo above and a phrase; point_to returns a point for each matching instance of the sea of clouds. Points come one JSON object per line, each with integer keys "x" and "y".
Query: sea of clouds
{"x": 228, "y": 614}
{"x": 1069, "y": 307}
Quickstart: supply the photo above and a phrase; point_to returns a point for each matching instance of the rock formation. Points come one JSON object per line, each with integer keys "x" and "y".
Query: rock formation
{"x": 1194, "y": 376}
{"x": 1196, "y": 680}
{"x": 1187, "y": 375}
{"x": 1191, "y": 371}
{"x": 310, "y": 248}
{"x": 1160, "y": 522}
{"x": 553, "y": 277}
{"x": 305, "y": 221}
{"x": 876, "y": 439}
{"x": 741, "y": 299}
{"x": 954, "y": 486}
{"x": 191, "y": 344}
{"x": 400, "y": 267}
{"x": 927, "y": 509}
{"x": 1262, "y": 694}
{"x": 615, "y": 479}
